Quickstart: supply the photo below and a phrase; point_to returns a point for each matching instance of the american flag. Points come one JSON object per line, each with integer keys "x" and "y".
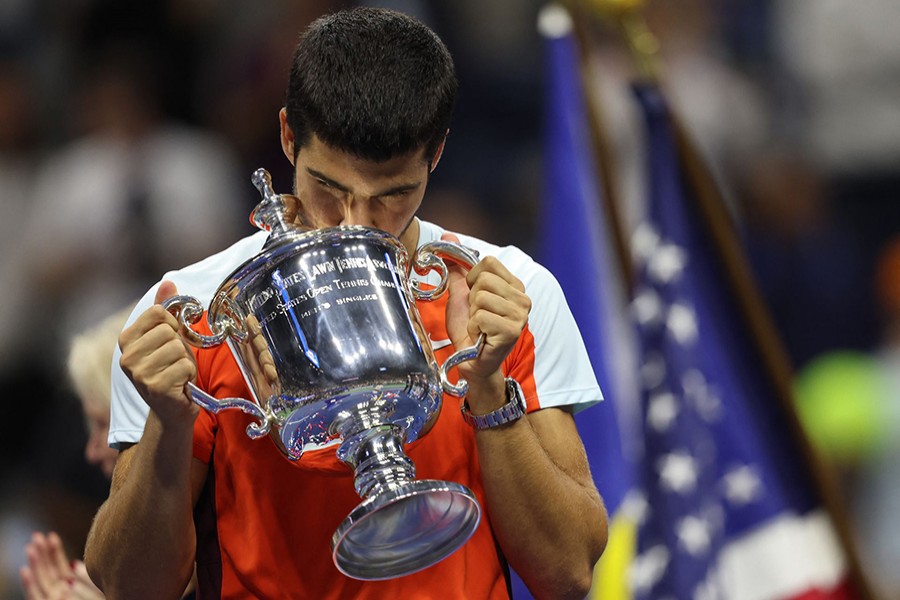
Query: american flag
{"x": 729, "y": 509}
{"x": 723, "y": 505}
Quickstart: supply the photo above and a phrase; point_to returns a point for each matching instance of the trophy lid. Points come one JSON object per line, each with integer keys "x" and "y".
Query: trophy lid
{"x": 269, "y": 214}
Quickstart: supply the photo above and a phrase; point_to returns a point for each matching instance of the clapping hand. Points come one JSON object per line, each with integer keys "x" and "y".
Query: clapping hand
{"x": 49, "y": 574}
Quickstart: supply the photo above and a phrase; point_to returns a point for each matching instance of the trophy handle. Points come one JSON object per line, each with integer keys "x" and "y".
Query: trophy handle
{"x": 214, "y": 405}
{"x": 189, "y": 310}
{"x": 433, "y": 256}
{"x": 462, "y": 386}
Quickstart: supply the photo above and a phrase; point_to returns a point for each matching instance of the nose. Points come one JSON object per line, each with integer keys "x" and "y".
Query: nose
{"x": 358, "y": 211}
{"x": 95, "y": 447}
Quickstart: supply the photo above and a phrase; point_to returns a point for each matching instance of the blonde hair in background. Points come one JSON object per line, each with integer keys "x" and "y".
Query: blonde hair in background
{"x": 90, "y": 359}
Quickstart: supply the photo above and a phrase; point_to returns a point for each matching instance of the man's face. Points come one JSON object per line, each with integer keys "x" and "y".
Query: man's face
{"x": 97, "y": 450}
{"x": 336, "y": 188}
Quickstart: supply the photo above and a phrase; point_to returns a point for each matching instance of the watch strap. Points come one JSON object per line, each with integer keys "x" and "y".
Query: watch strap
{"x": 513, "y": 409}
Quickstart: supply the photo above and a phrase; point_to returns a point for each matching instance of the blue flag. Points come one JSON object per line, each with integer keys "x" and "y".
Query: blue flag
{"x": 575, "y": 247}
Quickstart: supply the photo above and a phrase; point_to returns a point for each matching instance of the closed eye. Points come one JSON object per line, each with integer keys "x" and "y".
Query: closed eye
{"x": 328, "y": 184}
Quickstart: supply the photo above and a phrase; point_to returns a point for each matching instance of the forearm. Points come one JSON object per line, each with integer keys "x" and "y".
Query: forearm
{"x": 142, "y": 543}
{"x": 545, "y": 510}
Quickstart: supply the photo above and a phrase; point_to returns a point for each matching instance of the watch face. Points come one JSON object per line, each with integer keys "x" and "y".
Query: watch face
{"x": 516, "y": 395}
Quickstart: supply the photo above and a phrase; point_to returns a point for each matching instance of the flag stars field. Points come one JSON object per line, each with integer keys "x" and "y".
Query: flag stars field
{"x": 742, "y": 485}
{"x": 678, "y": 472}
{"x": 647, "y": 308}
{"x": 661, "y": 411}
{"x": 702, "y": 397}
{"x": 694, "y": 535}
{"x": 682, "y": 324}
{"x": 648, "y": 568}
{"x": 653, "y": 371}
{"x": 667, "y": 263}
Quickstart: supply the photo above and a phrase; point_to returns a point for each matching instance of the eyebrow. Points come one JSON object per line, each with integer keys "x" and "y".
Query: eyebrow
{"x": 405, "y": 187}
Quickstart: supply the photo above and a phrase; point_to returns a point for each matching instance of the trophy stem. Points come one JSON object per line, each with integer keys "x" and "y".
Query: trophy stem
{"x": 378, "y": 460}
{"x": 402, "y": 525}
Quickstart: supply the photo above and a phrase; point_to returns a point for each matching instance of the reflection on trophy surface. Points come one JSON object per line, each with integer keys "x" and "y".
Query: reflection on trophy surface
{"x": 324, "y": 327}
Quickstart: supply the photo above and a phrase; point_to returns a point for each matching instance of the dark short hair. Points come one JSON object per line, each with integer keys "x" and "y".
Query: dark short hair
{"x": 371, "y": 82}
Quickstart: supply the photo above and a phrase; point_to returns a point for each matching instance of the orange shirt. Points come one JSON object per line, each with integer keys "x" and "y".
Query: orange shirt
{"x": 264, "y": 523}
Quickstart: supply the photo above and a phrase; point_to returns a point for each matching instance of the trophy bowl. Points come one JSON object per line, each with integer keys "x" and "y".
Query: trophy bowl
{"x": 324, "y": 328}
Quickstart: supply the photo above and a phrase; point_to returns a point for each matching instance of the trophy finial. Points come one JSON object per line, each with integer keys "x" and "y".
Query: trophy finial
{"x": 263, "y": 182}
{"x": 269, "y": 213}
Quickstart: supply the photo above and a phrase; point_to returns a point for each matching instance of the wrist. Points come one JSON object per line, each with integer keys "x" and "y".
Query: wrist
{"x": 511, "y": 410}
{"x": 171, "y": 429}
{"x": 486, "y": 394}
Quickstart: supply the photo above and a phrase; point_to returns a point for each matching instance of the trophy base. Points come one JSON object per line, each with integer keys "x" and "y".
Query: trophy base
{"x": 405, "y": 529}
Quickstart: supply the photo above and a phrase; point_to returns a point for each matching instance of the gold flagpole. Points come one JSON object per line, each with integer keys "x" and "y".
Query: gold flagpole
{"x": 603, "y": 157}
{"x": 709, "y": 201}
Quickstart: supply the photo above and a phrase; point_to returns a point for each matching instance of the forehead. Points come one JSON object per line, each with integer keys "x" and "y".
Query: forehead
{"x": 337, "y": 164}
{"x": 94, "y": 409}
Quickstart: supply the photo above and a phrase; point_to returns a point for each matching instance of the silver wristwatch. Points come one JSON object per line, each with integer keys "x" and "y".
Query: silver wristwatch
{"x": 509, "y": 412}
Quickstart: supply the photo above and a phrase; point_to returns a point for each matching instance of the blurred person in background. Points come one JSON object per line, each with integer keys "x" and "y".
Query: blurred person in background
{"x": 837, "y": 74}
{"x": 849, "y": 403}
{"x": 809, "y": 266}
{"x": 50, "y": 574}
{"x": 878, "y": 482}
{"x": 133, "y": 195}
{"x": 21, "y": 363}
{"x": 241, "y": 75}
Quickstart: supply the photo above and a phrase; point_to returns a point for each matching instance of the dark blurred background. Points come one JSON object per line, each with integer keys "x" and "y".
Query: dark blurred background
{"x": 129, "y": 130}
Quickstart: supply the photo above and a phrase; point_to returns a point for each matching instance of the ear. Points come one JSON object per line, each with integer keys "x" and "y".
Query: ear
{"x": 438, "y": 153}
{"x": 287, "y": 136}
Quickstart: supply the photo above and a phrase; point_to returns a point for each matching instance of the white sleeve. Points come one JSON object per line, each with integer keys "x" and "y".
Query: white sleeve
{"x": 128, "y": 411}
{"x": 563, "y": 373}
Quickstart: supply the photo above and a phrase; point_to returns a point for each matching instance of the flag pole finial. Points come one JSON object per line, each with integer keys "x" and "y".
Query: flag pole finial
{"x": 629, "y": 17}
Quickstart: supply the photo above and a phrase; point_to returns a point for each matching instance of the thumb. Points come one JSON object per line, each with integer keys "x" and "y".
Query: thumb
{"x": 458, "y": 301}
{"x": 165, "y": 291}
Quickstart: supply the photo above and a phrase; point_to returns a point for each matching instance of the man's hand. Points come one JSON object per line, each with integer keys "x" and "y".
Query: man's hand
{"x": 50, "y": 576}
{"x": 489, "y": 300}
{"x": 159, "y": 362}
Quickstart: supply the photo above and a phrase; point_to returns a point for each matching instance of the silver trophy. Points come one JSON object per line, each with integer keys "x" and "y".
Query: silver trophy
{"x": 323, "y": 324}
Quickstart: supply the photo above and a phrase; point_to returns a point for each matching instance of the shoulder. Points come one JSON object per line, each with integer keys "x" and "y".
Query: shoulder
{"x": 203, "y": 278}
{"x": 535, "y": 276}
{"x": 540, "y": 284}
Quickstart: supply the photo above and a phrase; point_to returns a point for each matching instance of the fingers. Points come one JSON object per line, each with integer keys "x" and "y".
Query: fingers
{"x": 48, "y": 574}
{"x": 57, "y": 555}
{"x": 26, "y": 576}
{"x": 165, "y": 291}
{"x": 491, "y": 265}
{"x": 498, "y": 304}
{"x": 82, "y": 586}
{"x": 488, "y": 300}
{"x": 157, "y": 360}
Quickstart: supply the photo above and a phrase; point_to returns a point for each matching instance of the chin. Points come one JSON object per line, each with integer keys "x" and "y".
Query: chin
{"x": 107, "y": 467}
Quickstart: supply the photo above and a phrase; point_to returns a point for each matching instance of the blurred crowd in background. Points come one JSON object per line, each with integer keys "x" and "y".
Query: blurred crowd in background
{"x": 129, "y": 131}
